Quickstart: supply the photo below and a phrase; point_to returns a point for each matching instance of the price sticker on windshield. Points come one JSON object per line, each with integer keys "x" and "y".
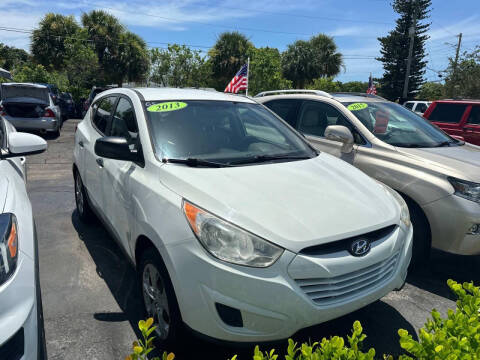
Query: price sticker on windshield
{"x": 357, "y": 106}
{"x": 167, "y": 106}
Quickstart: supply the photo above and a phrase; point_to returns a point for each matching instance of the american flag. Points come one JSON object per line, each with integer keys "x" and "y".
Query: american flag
{"x": 239, "y": 81}
{"x": 371, "y": 86}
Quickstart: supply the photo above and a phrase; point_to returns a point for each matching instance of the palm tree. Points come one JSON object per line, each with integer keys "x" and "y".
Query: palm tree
{"x": 304, "y": 61}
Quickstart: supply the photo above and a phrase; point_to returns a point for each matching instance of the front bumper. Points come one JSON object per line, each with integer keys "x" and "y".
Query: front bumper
{"x": 450, "y": 219}
{"x": 273, "y": 305}
{"x": 43, "y": 123}
{"x": 18, "y": 310}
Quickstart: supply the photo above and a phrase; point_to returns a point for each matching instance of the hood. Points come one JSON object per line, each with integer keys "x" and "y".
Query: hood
{"x": 293, "y": 204}
{"x": 3, "y": 192}
{"x": 463, "y": 161}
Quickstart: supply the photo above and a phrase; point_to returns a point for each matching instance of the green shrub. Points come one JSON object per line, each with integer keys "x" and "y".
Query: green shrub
{"x": 455, "y": 337}
{"x": 142, "y": 348}
{"x": 327, "y": 349}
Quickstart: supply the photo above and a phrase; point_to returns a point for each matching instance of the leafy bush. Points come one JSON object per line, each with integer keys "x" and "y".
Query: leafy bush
{"x": 328, "y": 349}
{"x": 142, "y": 348}
{"x": 455, "y": 337}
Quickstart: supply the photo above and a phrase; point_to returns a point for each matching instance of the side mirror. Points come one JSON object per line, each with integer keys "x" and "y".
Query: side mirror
{"x": 114, "y": 147}
{"x": 21, "y": 144}
{"x": 341, "y": 134}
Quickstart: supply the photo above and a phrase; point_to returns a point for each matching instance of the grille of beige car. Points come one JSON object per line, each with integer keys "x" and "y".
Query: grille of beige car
{"x": 328, "y": 291}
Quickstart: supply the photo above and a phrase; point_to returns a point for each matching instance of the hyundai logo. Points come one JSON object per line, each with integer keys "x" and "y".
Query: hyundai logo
{"x": 360, "y": 247}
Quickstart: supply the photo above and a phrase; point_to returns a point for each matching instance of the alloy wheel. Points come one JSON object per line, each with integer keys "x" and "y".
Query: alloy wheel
{"x": 156, "y": 300}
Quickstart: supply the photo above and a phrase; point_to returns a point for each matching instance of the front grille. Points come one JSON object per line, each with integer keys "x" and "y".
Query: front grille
{"x": 344, "y": 244}
{"x": 327, "y": 291}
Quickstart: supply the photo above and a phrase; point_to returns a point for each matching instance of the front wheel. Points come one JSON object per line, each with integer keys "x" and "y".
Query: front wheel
{"x": 421, "y": 236}
{"x": 159, "y": 299}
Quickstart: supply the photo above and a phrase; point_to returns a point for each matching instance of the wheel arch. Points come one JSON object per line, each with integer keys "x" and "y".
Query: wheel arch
{"x": 412, "y": 203}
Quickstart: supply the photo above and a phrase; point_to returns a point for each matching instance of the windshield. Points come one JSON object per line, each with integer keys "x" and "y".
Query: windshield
{"x": 398, "y": 126}
{"x": 23, "y": 91}
{"x": 223, "y": 132}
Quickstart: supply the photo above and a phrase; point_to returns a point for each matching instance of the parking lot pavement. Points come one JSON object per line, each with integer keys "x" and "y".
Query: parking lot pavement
{"x": 90, "y": 297}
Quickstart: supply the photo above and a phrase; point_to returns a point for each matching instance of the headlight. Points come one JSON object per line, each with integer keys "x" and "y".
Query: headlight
{"x": 8, "y": 246}
{"x": 466, "y": 189}
{"x": 404, "y": 213}
{"x": 228, "y": 242}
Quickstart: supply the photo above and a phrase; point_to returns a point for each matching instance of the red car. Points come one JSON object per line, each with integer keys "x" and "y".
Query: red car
{"x": 459, "y": 118}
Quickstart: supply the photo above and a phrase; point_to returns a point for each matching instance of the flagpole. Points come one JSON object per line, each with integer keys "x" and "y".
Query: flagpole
{"x": 248, "y": 75}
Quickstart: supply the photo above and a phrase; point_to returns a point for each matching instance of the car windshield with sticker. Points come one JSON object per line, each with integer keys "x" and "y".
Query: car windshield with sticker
{"x": 397, "y": 125}
{"x": 221, "y": 131}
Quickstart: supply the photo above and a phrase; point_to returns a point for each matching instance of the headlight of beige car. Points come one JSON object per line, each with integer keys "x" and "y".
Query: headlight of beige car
{"x": 228, "y": 242}
{"x": 466, "y": 189}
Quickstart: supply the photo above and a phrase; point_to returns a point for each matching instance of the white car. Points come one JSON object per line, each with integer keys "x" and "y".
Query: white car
{"x": 238, "y": 228}
{"x": 21, "y": 318}
{"x": 417, "y": 106}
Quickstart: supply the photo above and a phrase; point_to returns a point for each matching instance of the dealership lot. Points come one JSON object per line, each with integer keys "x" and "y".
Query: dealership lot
{"x": 91, "y": 305}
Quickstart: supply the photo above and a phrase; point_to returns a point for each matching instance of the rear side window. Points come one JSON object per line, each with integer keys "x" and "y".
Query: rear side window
{"x": 421, "y": 107}
{"x": 409, "y": 105}
{"x": 287, "y": 109}
{"x": 474, "y": 117}
{"x": 102, "y": 111}
{"x": 447, "y": 113}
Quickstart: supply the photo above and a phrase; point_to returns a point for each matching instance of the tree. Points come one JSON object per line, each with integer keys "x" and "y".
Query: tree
{"x": 104, "y": 31}
{"x": 297, "y": 64}
{"x": 47, "y": 44}
{"x": 30, "y": 72}
{"x": 132, "y": 62}
{"x": 326, "y": 84}
{"x": 327, "y": 61}
{"x": 80, "y": 64}
{"x": 354, "y": 86}
{"x": 227, "y": 56}
{"x": 178, "y": 66}
{"x": 431, "y": 91}
{"x": 463, "y": 81}
{"x": 265, "y": 71}
{"x": 395, "y": 48}
{"x": 122, "y": 55}
{"x": 10, "y": 57}
{"x": 304, "y": 61}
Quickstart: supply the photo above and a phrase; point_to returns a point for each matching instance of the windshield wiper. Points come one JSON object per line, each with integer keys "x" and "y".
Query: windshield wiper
{"x": 194, "y": 162}
{"x": 263, "y": 158}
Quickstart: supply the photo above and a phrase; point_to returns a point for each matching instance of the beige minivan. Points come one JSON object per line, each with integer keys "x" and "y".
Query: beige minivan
{"x": 438, "y": 176}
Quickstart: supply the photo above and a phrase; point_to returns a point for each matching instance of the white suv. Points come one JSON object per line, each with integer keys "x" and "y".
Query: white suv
{"x": 21, "y": 318}
{"x": 238, "y": 228}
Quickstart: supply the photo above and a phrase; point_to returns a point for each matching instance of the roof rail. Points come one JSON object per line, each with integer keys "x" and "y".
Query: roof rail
{"x": 297, "y": 91}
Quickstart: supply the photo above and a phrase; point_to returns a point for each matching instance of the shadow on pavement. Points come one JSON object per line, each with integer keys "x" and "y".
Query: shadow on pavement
{"x": 443, "y": 266}
{"x": 114, "y": 268}
{"x": 379, "y": 320}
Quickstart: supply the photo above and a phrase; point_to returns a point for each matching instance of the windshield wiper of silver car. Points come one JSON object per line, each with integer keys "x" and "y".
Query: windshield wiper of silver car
{"x": 194, "y": 162}
{"x": 264, "y": 158}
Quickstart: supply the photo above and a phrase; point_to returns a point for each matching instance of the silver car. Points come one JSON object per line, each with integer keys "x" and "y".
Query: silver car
{"x": 438, "y": 176}
{"x": 30, "y": 107}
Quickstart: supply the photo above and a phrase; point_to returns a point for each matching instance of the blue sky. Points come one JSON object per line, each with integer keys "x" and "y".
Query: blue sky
{"x": 355, "y": 25}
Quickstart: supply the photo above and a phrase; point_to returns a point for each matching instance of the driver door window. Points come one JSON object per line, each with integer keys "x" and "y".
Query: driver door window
{"x": 124, "y": 124}
{"x": 316, "y": 116}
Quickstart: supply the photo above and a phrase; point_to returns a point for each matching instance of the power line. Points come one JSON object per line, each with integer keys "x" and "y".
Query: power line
{"x": 300, "y": 15}
{"x": 200, "y": 22}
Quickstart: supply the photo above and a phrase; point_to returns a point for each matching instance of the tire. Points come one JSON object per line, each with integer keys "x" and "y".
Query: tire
{"x": 170, "y": 327}
{"x": 422, "y": 239}
{"x": 84, "y": 210}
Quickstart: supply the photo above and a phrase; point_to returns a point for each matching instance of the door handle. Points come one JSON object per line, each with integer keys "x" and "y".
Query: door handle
{"x": 99, "y": 162}
{"x": 80, "y": 143}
